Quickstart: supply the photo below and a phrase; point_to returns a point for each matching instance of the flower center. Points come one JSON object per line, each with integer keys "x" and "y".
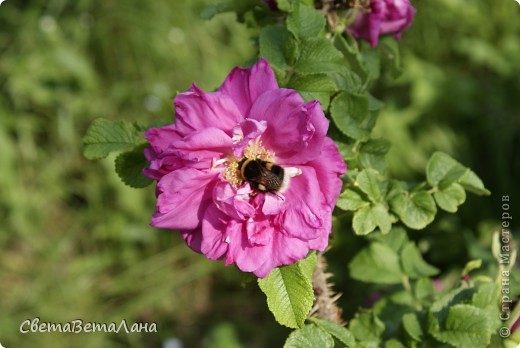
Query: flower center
{"x": 254, "y": 150}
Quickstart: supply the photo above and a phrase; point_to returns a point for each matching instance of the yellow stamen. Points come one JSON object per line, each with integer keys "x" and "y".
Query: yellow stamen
{"x": 232, "y": 172}
{"x": 254, "y": 150}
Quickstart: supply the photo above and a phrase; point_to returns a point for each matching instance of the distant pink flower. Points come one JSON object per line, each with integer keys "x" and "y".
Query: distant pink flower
{"x": 383, "y": 17}
{"x": 201, "y": 190}
{"x": 516, "y": 326}
{"x": 271, "y": 4}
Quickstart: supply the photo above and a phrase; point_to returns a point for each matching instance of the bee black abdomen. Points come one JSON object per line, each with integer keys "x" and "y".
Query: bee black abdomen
{"x": 277, "y": 170}
{"x": 261, "y": 175}
{"x": 252, "y": 169}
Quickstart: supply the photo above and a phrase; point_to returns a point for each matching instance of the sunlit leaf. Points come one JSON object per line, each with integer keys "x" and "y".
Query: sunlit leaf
{"x": 106, "y": 136}
{"x": 339, "y": 332}
{"x": 129, "y": 167}
{"x": 289, "y": 292}
{"x": 416, "y": 210}
{"x": 309, "y": 336}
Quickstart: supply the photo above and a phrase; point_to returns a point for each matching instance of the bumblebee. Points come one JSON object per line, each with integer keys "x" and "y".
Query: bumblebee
{"x": 262, "y": 175}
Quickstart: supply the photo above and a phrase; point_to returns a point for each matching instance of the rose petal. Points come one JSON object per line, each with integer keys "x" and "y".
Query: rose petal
{"x": 322, "y": 241}
{"x": 183, "y": 196}
{"x": 161, "y": 163}
{"x": 232, "y": 202}
{"x": 272, "y": 204}
{"x": 374, "y": 23}
{"x": 245, "y": 132}
{"x": 393, "y": 26}
{"x": 302, "y": 216}
{"x": 214, "y": 226}
{"x": 196, "y": 110}
{"x": 329, "y": 166}
{"x": 193, "y": 238}
{"x": 244, "y": 86}
{"x": 283, "y": 251}
{"x": 259, "y": 231}
{"x": 161, "y": 138}
{"x": 295, "y": 130}
{"x": 247, "y": 254}
{"x": 206, "y": 144}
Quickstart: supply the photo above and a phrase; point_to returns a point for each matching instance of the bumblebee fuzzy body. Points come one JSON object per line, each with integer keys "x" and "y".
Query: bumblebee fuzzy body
{"x": 262, "y": 175}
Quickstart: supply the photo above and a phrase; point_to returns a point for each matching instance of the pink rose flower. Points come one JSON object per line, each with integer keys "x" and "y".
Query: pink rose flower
{"x": 248, "y": 126}
{"x": 383, "y": 17}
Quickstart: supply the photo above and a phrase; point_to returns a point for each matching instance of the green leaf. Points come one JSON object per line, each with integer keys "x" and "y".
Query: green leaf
{"x": 308, "y": 264}
{"x": 372, "y": 63}
{"x": 394, "y": 343}
{"x": 322, "y": 97}
{"x": 339, "y": 332}
{"x": 424, "y": 289}
{"x": 367, "y": 328}
{"x": 310, "y": 336}
{"x": 291, "y": 50}
{"x": 348, "y": 80}
{"x": 412, "y": 326}
{"x": 284, "y": 5}
{"x": 471, "y": 265}
{"x": 461, "y": 295}
{"x": 372, "y": 154}
{"x": 289, "y": 292}
{"x": 305, "y": 22}
{"x": 351, "y": 200}
{"x": 438, "y": 166}
{"x": 366, "y": 219}
{"x": 390, "y": 57}
{"x": 376, "y": 162}
{"x": 416, "y": 210}
{"x": 377, "y": 263}
{"x": 450, "y": 198}
{"x": 106, "y": 136}
{"x": 314, "y": 87}
{"x": 369, "y": 181}
{"x": 390, "y": 310}
{"x": 317, "y": 56}
{"x": 350, "y": 113}
{"x": 129, "y": 167}
{"x": 413, "y": 263}
{"x": 471, "y": 182}
{"x": 363, "y": 221}
{"x": 376, "y": 146}
{"x": 273, "y": 40}
{"x": 487, "y": 295}
{"x": 382, "y": 218}
{"x": 465, "y": 326}
{"x": 395, "y": 239}
{"x": 313, "y": 83}
{"x": 352, "y": 55}
{"x": 212, "y": 10}
{"x": 442, "y": 171}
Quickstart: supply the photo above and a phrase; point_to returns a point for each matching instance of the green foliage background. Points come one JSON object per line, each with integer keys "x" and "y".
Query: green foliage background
{"x": 75, "y": 242}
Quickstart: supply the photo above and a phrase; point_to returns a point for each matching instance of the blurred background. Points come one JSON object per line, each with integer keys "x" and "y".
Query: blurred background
{"x": 75, "y": 242}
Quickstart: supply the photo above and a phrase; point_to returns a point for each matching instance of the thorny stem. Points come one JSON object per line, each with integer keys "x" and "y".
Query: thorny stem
{"x": 325, "y": 306}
